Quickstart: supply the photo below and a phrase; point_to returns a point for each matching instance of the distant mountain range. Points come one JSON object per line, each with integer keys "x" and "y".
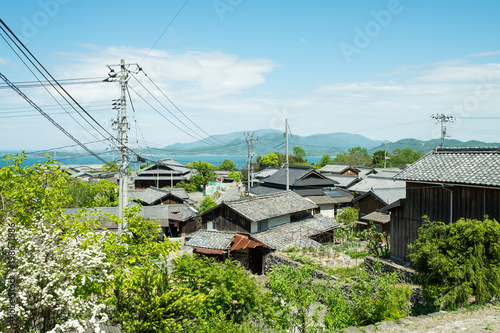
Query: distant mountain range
{"x": 269, "y": 140}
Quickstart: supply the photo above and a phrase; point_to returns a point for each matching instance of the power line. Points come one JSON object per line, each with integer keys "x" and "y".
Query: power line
{"x": 161, "y": 114}
{"x": 49, "y": 118}
{"x": 168, "y": 26}
{"x": 192, "y": 122}
{"x": 50, "y": 81}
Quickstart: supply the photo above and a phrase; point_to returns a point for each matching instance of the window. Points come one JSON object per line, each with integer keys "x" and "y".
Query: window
{"x": 263, "y": 225}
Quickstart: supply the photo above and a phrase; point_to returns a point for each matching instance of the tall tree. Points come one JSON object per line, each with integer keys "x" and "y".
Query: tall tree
{"x": 401, "y": 157}
{"x": 325, "y": 159}
{"x": 203, "y": 172}
{"x": 356, "y": 156}
{"x": 378, "y": 158}
{"x": 227, "y": 165}
{"x": 270, "y": 159}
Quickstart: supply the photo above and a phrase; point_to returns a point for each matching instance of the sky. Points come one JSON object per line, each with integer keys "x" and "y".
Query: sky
{"x": 376, "y": 68}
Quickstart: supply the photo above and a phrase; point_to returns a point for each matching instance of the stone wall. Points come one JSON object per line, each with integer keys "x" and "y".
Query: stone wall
{"x": 275, "y": 260}
{"x": 405, "y": 274}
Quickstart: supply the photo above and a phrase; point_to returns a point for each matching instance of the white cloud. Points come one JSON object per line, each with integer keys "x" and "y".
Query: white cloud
{"x": 485, "y": 54}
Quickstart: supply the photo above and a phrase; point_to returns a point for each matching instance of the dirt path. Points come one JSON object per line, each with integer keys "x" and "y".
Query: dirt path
{"x": 485, "y": 319}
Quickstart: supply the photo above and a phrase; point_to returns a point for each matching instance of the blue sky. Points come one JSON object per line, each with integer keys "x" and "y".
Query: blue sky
{"x": 376, "y": 68}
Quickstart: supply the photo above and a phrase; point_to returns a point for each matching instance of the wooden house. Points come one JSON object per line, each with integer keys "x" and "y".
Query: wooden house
{"x": 153, "y": 196}
{"x": 248, "y": 229}
{"x": 299, "y": 178}
{"x": 164, "y": 173}
{"x": 447, "y": 184}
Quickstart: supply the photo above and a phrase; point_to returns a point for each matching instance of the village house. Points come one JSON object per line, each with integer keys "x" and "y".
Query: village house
{"x": 250, "y": 228}
{"x": 164, "y": 173}
{"x": 445, "y": 185}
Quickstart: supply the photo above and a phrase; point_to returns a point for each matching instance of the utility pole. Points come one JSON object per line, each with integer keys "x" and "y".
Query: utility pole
{"x": 441, "y": 118}
{"x": 123, "y": 126}
{"x": 385, "y": 153}
{"x": 250, "y": 140}
{"x": 286, "y": 164}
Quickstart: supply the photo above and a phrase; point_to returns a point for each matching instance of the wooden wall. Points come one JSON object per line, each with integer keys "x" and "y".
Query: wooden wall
{"x": 434, "y": 202}
{"x": 368, "y": 205}
{"x": 226, "y": 219}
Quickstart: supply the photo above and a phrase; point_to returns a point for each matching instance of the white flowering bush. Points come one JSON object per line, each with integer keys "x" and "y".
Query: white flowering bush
{"x": 48, "y": 282}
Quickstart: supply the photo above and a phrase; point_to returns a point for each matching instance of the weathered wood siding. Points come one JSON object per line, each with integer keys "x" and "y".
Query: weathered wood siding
{"x": 434, "y": 202}
{"x": 368, "y": 205}
{"x": 226, "y": 219}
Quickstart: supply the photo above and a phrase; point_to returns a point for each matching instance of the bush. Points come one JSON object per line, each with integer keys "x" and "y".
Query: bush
{"x": 368, "y": 301}
{"x": 458, "y": 261}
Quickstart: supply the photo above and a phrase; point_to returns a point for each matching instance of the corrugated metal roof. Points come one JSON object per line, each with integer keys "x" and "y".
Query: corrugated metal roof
{"x": 244, "y": 242}
{"x": 342, "y": 180}
{"x": 466, "y": 166}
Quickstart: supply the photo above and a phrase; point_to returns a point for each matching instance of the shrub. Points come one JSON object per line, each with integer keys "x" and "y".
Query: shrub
{"x": 458, "y": 261}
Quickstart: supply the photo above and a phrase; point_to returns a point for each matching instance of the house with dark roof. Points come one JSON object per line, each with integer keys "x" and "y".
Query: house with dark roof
{"x": 381, "y": 221}
{"x": 160, "y": 196}
{"x": 299, "y": 178}
{"x": 174, "y": 220}
{"x": 446, "y": 184}
{"x": 164, "y": 173}
{"x": 260, "y": 225}
{"x": 377, "y": 198}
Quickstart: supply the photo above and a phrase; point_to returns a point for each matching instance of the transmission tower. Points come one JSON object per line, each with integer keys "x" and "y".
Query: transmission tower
{"x": 441, "y": 118}
{"x": 122, "y": 126}
{"x": 251, "y": 138}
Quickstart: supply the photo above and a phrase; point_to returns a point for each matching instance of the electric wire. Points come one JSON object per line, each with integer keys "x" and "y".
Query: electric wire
{"x": 178, "y": 109}
{"x": 168, "y": 26}
{"x": 173, "y": 115}
{"x": 53, "y": 79}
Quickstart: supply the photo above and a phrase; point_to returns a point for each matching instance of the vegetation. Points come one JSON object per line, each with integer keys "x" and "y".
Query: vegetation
{"x": 203, "y": 173}
{"x": 325, "y": 159}
{"x": 458, "y": 261}
{"x": 227, "y": 165}
{"x": 369, "y": 300}
{"x": 234, "y": 175}
{"x": 86, "y": 195}
{"x": 355, "y": 156}
{"x": 268, "y": 160}
{"x": 206, "y": 204}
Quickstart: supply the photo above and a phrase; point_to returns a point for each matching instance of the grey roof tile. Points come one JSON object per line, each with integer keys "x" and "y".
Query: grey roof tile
{"x": 296, "y": 233}
{"x": 467, "y": 166}
{"x": 212, "y": 239}
{"x": 270, "y": 205}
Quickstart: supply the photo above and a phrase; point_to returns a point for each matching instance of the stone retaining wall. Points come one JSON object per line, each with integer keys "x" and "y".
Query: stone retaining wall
{"x": 275, "y": 260}
{"x": 405, "y": 274}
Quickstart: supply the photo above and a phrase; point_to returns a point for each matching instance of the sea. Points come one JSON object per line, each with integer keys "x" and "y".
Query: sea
{"x": 63, "y": 158}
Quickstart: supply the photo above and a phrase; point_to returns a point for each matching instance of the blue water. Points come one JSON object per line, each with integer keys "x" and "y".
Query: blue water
{"x": 239, "y": 160}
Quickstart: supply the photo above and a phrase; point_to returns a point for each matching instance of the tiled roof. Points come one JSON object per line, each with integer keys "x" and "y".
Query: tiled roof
{"x": 467, "y": 166}
{"x": 374, "y": 182}
{"x": 296, "y": 233}
{"x": 377, "y": 217}
{"x": 299, "y": 176}
{"x": 163, "y": 167}
{"x": 262, "y": 190}
{"x": 335, "y": 167}
{"x": 270, "y": 205}
{"x": 342, "y": 180}
{"x": 385, "y": 195}
{"x": 265, "y": 173}
{"x": 212, "y": 239}
{"x": 154, "y": 194}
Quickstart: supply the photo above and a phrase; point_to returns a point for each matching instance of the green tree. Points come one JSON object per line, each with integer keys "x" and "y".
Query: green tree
{"x": 270, "y": 159}
{"x": 203, "y": 172}
{"x": 299, "y": 154}
{"x": 458, "y": 261}
{"x": 355, "y": 156}
{"x": 234, "y": 175}
{"x": 85, "y": 195}
{"x": 369, "y": 300}
{"x": 188, "y": 186}
{"x": 206, "y": 204}
{"x": 325, "y": 159}
{"x": 378, "y": 158}
{"x": 227, "y": 289}
{"x": 294, "y": 293}
{"x": 401, "y": 157}
{"x": 227, "y": 165}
